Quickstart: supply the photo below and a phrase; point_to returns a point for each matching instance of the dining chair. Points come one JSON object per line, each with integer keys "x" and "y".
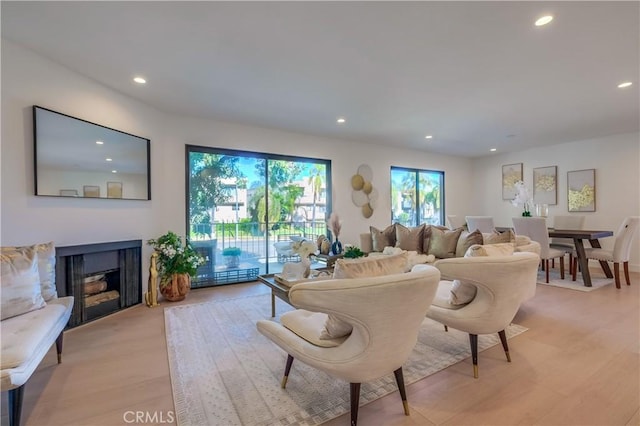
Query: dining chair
{"x": 567, "y": 244}
{"x": 536, "y": 229}
{"x": 621, "y": 250}
{"x": 482, "y": 223}
{"x": 455, "y": 222}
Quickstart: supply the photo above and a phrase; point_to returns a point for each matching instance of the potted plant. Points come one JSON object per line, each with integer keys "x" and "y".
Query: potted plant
{"x": 177, "y": 263}
{"x": 232, "y": 256}
{"x": 353, "y": 252}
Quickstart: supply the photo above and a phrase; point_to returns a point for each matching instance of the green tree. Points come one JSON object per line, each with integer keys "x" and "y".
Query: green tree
{"x": 316, "y": 179}
{"x": 206, "y": 187}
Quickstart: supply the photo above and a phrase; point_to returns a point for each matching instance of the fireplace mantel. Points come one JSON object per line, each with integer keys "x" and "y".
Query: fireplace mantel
{"x": 114, "y": 266}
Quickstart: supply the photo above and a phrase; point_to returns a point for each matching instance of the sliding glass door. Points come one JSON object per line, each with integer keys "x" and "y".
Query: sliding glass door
{"x": 243, "y": 208}
{"x": 417, "y": 196}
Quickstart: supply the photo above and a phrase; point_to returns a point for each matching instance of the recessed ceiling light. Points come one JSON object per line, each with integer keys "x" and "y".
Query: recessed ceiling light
{"x": 114, "y": 171}
{"x": 139, "y": 80}
{"x": 428, "y": 137}
{"x": 341, "y": 120}
{"x": 544, "y": 20}
{"x": 99, "y": 143}
{"x": 625, "y": 84}
{"x": 108, "y": 159}
{"x": 493, "y": 149}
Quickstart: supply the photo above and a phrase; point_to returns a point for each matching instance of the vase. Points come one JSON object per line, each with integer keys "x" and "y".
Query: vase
{"x": 175, "y": 287}
{"x": 336, "y": 247}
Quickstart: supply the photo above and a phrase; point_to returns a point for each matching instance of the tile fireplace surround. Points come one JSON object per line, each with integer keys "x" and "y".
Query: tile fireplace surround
{"x": 103, "y": 278}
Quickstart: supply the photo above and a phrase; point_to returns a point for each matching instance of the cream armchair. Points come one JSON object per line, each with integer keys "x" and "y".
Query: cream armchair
{"x": 385, "y": 312}
{"x": 503, "y": 283}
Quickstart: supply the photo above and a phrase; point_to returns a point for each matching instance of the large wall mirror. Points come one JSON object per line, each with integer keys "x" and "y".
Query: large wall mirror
{"x": 76, "y": 158}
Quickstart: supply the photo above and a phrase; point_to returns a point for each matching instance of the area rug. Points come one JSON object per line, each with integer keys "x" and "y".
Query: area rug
{"x": 224, "y": 372}
{"x": 578, "y": 284}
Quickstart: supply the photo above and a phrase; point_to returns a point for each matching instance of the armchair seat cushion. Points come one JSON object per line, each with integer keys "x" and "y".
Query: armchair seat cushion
{"x": 310, "y": 326}
{"x": 27, "y": 338}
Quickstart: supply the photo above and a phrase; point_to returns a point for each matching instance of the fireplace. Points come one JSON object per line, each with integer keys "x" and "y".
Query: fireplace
{"x": 103, "y": 278}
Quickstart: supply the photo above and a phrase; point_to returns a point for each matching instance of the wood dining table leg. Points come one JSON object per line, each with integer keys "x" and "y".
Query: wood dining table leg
{"x": 603, "y": 263}
{"x": 583, "y": 262}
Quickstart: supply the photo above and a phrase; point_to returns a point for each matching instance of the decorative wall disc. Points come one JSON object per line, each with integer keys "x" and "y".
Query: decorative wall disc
{"x": 367, "y": 211}
{"x": 357, "y": 182}
{"x": 359, "y": 198}
{"x": 365, "y": 171}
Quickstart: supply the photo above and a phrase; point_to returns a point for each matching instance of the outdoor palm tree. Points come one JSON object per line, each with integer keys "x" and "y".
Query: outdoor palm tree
{"x": 316, "y": 179}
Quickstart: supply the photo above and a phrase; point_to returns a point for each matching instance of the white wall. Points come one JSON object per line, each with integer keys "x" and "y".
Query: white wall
{"x": 617, "y": 163}
{"x": 29, "y": 79}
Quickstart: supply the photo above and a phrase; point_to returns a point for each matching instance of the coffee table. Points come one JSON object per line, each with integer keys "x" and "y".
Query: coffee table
{"x": 280, "y": 290}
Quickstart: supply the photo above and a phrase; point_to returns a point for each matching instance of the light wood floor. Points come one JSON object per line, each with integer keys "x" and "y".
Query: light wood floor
{"x": 577, "y": 365}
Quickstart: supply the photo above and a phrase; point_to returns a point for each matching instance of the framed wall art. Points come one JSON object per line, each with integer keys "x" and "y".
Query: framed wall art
{"x": 91, "y": 191}
{"x": 545, "y": 185}
{"x": 68, "y": 192}
{"x": 511, "y": 173}
{"x": 581, "y": 190}
{"x": 114, "y": 189}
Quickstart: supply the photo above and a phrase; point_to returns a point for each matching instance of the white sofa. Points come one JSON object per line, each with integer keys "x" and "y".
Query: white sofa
{"x": 26, "y": 337}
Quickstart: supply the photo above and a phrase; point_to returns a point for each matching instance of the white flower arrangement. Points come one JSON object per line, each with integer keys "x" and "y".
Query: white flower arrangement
{"x": 522, "y": 198}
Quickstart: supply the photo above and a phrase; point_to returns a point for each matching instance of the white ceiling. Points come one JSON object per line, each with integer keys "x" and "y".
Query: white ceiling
{"x": 475, "y": 75}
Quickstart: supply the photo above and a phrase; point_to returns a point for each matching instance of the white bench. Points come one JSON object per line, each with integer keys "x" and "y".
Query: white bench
{"x": 26, "y": 339}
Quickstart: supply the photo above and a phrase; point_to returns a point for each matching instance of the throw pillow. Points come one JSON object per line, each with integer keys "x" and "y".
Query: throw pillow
{"x": 409, "y": 239}
{"x": 372, "y": 266}
{"x": 46, "y": 253}
{"x": 462, "y": 292}
{"x": 501, "y": 249}
{"x": 499, "y": 237}
{"x": 20, "y": 286}
{"x": 384, "y": 238}
{"x": 443, "y": 242}
{"x": 466, "y": 240}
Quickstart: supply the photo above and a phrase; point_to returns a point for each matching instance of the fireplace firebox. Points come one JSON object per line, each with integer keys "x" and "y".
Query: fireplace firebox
{"x": 103, "y": 278}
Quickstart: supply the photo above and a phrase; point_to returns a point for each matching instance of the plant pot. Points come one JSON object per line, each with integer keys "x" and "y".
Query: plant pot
{"x": 175, "y": 287}
{"x": 232, "y": 261}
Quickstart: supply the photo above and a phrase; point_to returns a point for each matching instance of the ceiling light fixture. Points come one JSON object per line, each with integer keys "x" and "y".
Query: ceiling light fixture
{"x": 625, "y": 84}
{"x": 428, "y": 137}
{"x": 139, "y": 80}
{"x": 493, "y": 149}
{"x": 114, "y": 171}
{"x": 99, "y": 143}
{"x": 108, "y": 159}
{"x": 341, "y": 120}
{"x": 544, "y": 20}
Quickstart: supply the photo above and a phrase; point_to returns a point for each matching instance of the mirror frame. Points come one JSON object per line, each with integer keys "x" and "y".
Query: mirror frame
{"x": 102, "y": 128}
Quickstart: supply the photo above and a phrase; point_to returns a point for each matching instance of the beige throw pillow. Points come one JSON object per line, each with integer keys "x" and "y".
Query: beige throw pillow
{"x": 499, "y": 237}
{"x": 443, "y": 242}
{"x": 46, "y": 253}
{"x": 20, "y": 292}
{"x": 372, "y": 266}
{"x": 501, "y": 249}
{"x": 466, "y": 240}
{"x": 384, "y": 238}
{"x": 409, "y": 239}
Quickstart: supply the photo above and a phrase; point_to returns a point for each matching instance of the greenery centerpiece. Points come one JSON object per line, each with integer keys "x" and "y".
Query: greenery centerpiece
{"x": 177, "y": 263}
{"x": 353, "y": 252}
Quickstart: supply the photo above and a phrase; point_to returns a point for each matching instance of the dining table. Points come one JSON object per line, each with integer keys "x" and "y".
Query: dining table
{"x": 578, "y": 237}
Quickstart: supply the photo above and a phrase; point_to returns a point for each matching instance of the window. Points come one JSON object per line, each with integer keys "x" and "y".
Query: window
{"x": 417, "y": 196}
{"x": 251, "y": 201}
